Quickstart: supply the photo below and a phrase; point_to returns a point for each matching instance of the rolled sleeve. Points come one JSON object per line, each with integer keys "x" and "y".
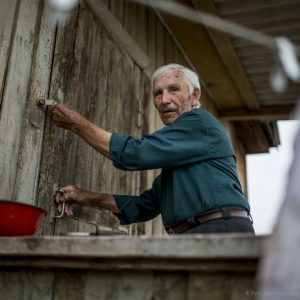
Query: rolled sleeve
{"x": 128, "y": 209}
{"x": 141, "y": 208}
{"x": 117, "y": 146}
{"x": 190, "y": 139}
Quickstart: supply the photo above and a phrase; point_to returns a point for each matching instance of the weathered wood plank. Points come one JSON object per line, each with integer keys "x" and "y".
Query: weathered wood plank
{"x": 213, "y": 247}
{"x": 117, "y": 7}
{"x": 101, "y": 168}
{"x": 147, "y": 102}
{"x": 151, "y": 43}
{"x": 135, "y": 285}
{"x": 88, "y": 87}
{"x": 95, "y": 216}
{"x": 69, "y": 285}
{"x": 81, "y": 88}
{"x": 128, "y": 90}
{"x": 101, "y": 285}
{"x": 170, "y": 286}
{"x": 208, "y": 287}
{"x": 11, "y": 284}
{"x": 55, "y": 156}
{"x": 159, "y": 61}
{"x": 119, "y": 35}
{"x": 220, "y": 286}
{"x": 136, "y": 107}
{"x": 137, "y": 110}
{"x": 101, "y": 165}
{"x": 15, "y": 94}
{"x": 38, "y": 285}
{"x": 160, "y": 43}
{"x": 151, "y": 51}
{"x": 242, "y": 286}
{"x": 116, "y": 106}
{"x": 130, "y": 18}
{"x": 141, "y": 27}
{"x": 65, "y": 225}
{"x": 69, "y": 85}
{"x": 105, "y": 2}
{"x": 7, "y": 17}
{"x": 86, "y": 227}
{"x": 34, "y": 118}
{"x": 169, "y": 49}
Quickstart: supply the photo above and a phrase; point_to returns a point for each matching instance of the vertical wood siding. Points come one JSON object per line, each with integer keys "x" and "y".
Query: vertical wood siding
{"x": 125, "y": 284}
{"x": 83, "y": 66}
{"x": 15, "y": 91}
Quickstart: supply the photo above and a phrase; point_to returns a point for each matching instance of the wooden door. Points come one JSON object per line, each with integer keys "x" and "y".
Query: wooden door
{"x": 92, "y": 74}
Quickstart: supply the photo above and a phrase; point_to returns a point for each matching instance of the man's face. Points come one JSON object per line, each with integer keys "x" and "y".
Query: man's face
{"x": 171, "y": 96}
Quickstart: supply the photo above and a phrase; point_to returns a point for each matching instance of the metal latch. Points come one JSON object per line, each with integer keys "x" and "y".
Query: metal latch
{"x": 45, "y": 102}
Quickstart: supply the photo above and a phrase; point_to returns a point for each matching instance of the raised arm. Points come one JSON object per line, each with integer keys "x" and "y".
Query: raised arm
{"x": 65, "y": 117}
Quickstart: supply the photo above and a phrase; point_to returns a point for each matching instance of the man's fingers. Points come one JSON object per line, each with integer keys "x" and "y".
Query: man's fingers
{"x": 67, "y": 196}
{"x": 58, "y": 198}
{"x": 59, "y": 208}
{"x": 68, "y": 209}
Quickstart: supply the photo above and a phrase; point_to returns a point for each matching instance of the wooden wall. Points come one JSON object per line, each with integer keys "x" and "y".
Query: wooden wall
{"x": 100, "y": 63}
{"x": 89, "y": 65}
{"x": 136, "y": 268}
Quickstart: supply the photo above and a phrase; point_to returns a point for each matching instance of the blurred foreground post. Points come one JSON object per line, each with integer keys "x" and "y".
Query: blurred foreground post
{"x": 279, "y": 272}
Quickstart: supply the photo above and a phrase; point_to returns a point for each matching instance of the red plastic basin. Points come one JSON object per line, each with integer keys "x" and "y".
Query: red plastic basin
{"x": 19, "y": 219}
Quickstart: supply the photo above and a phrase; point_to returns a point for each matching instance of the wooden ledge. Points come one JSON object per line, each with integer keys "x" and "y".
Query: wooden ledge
{"x": 184, "y": 246}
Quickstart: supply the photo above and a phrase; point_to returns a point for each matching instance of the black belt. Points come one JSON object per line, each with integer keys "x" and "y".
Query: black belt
{"x": 224, "y": 212}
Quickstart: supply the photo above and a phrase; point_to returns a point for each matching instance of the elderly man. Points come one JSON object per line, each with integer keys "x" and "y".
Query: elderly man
{"x": 197, "y": 191}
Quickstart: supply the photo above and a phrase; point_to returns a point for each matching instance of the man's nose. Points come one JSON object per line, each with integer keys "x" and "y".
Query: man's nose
{"x": 166, "y": 97}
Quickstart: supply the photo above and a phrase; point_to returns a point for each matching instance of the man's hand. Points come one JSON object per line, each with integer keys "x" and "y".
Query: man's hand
{"x": 72, "y": 194}
{"x": 66, "y": 117}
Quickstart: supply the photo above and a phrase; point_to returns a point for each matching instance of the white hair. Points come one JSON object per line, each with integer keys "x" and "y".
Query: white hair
{"x": 190, "y": 76}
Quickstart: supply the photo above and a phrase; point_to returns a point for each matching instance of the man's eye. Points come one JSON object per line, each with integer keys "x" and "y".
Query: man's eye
{"x": 174, "y": 88}
{"x": 157, "y": 93}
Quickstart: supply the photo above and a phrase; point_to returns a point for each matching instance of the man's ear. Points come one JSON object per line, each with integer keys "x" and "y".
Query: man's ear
{"x": 195, "y": 95}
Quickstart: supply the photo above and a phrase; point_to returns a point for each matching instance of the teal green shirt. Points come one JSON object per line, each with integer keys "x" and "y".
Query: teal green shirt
{"x": 198, "y": 170}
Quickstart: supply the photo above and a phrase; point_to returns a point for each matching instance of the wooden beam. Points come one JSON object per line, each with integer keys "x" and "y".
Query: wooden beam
{"x": 118, "y": 33}
{"x": 229, "y": 57}
{"x": 280, "y": 112}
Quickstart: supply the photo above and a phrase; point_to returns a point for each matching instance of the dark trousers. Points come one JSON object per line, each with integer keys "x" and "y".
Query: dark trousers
{"x": 232, "y": 225}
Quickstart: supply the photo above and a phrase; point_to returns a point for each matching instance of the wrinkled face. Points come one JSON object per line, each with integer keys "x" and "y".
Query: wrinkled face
{"x": 171, "y": 96}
